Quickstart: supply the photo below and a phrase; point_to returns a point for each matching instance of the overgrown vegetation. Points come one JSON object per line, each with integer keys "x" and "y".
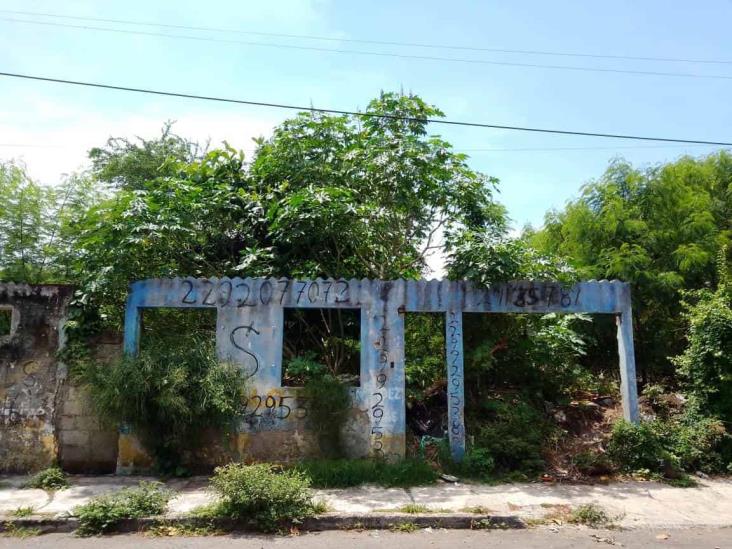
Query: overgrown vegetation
{"x": 366, "y": 197}
{"x": 695, "y": 439}
{"x": 170, "y": 395}
{"x": 329, "y": 403}
{"x": 51, "y": 478}
{"x": 705, "y": 366}
{"x": 669, "y": 447}
{"x": 346, "y": 473}
{"x": 105, "y": 512}
{"x": 261, "y": 496}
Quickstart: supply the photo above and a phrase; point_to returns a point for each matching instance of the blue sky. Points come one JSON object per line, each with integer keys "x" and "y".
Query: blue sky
{"x": 62, "y": 122}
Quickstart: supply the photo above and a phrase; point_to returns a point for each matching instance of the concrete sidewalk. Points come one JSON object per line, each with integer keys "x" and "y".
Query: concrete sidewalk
{"x": 631, "y": 504}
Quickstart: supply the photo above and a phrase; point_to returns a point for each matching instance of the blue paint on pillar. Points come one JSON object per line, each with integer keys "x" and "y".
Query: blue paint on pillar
{"x": 132, "y": 327}
{"x": 250, "y": 325}
{"x": 455, "y": 383}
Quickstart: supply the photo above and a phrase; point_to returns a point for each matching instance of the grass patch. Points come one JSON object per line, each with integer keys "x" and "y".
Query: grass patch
{"x": 14, "y": 531}
{"x": 477, "y": 510}
{"x": 404, "y": 527}
{"x": 590, "y": 515}
{"x": 341, "y": 473}
{"x": 52, "y": 478}
{"x": 105, "y": 512}
{"x": 414, "y": 509}
{"x": 21, "y": 512}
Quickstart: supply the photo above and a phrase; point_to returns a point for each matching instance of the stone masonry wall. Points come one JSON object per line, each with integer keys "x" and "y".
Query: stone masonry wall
{"x": 86, "y": 444}
{"x": 30, "y": 374}
{"x": 44, "y": 416}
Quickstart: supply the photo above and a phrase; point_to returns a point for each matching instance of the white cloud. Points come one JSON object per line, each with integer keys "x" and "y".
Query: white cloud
{"x": 52, "y": 139}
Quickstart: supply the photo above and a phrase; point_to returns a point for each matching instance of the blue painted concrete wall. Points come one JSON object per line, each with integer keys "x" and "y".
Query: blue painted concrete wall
{"x": 250, "y": 334}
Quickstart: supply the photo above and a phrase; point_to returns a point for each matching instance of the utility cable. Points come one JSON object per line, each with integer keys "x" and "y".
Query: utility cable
{"x": 374, "y": 42}
{"x": 360, "y": 114}
{"x": 374, "y": 53}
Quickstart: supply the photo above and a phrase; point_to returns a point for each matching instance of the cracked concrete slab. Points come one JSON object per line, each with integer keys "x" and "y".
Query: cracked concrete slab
{"x": 631, "y": 504}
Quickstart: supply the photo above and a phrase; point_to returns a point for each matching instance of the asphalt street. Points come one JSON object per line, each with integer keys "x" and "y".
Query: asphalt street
{"x": 545, "y": 538}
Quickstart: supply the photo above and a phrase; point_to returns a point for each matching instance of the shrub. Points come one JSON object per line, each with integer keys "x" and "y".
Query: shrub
{"x": 698, "y": 442}
{"x": 52, "y": 478}
{"x": 633, "y": 447}
{"x": 261, "y": 495}
{"x": 105, "y": 512}
{"x": 706, "y": 364}
{"x": 342, "y": 473}
{"x": 589, "y": 462}
{"x": 513, "y": 434}
{"x": 689, "y": 442}
{"x": 478, "y": 463}
{"x": 169, "y": 394}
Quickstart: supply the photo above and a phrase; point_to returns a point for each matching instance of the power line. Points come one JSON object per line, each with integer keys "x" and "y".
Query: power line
{"x": 479, "y": 150}
{"x": 360, "y": 114}
{"x": 548, "y": 149}
{"x": 374, "y": 53}
{"x": 375, "y": 42}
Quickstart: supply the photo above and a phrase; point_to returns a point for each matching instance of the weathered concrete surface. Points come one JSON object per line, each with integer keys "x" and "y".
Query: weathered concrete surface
{"x": 546, "y": 538}
{"x": 30, "y": 374}
{"x": 86, "y": 444}
{"x": 44, "y": 416}
{"x": 630, "y": 504}
{"x": 250, "y": 332}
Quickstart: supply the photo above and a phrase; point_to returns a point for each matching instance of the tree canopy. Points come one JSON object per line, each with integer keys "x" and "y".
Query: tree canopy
{"x": 342, "y": 196}
{"x": 660, "y": 229}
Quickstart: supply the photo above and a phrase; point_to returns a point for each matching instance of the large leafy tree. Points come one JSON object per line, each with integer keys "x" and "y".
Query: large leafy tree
{"x": 324, "y": 196}
{"x": 201, "y": 221}
{"x": 366, "y": 196}
{"x": 659, "y": 229}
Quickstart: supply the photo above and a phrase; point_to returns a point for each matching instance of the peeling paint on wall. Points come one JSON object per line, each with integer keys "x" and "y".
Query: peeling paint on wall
{"x": 250, "y": 330}
{"x": 29, "y": 374}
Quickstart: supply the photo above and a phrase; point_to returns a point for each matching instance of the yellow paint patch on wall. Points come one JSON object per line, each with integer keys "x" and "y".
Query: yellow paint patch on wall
{"x": 131, "y": 456}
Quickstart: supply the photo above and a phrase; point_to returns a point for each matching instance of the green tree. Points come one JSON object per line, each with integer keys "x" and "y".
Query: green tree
{"x": 23, "y": 231}
{"x": 659, "y": 229}
{"x": 324, "y": 196}
{"x": 131, "y": 165}
{"x": 202, "y": 221}
{"x": 366, "y": 196}
{"x": 706, "y": 363}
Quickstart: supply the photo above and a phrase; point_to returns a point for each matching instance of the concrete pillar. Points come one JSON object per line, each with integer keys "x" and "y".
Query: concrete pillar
{"x": 626, "y": 352}
{"x": 382, "y": 370}
{"x": 455, "y": 383}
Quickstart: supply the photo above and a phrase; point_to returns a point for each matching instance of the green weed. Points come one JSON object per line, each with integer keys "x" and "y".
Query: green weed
{"x": 589, "y": 515}
{"x": 51, "y": 478}
{"x": 14, "y": 531}
{"x": 21, "y": 512}
{"x": 404, "y": 527}
{"x": 414, "y": 509}
{"x": 105, "y": 512}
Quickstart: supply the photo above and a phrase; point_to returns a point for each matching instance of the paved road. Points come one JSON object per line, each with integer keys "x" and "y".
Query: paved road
{"x": 544, "y": 538}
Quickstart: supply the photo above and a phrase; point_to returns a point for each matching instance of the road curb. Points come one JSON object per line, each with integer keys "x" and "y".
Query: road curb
{"x": 326, "y": 521}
